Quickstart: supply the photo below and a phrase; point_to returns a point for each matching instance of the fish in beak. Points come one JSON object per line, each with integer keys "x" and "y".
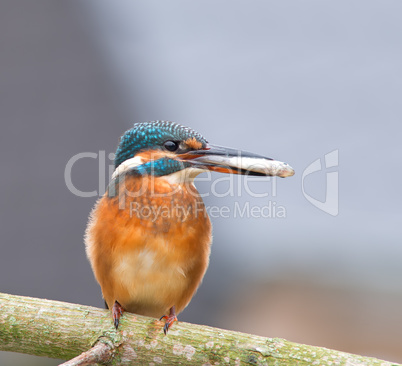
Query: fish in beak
{"x": 228, "y": 160}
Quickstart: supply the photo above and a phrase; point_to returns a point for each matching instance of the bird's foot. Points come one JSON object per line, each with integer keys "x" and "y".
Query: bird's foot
{"x": 169, "y": 319}
{"x": 117, "y": 312}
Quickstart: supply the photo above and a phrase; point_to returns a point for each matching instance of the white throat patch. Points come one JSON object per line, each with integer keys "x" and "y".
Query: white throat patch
{"x": 183, "y": 176}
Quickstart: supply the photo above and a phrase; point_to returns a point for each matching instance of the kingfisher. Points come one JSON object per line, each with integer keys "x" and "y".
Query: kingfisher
{"x": 148, "y": 238}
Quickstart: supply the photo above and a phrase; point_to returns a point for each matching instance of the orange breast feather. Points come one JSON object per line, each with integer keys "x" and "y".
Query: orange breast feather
{"x": 149, "y": 245}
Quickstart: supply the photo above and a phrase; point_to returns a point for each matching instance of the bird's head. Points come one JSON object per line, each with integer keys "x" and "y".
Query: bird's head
{"x": 162, "y": 149}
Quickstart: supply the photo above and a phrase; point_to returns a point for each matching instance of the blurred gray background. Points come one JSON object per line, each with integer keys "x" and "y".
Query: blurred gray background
{"x": 292, "y": 80}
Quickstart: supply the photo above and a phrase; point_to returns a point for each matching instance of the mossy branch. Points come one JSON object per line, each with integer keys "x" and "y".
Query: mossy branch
{"x": 65, "y": 331}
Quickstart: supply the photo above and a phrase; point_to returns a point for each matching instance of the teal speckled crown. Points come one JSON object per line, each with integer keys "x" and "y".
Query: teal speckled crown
{"x": 151, "y": 135}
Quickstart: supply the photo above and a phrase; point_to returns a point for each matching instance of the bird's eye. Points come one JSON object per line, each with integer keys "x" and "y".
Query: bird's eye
{"x": 171, "y": 145}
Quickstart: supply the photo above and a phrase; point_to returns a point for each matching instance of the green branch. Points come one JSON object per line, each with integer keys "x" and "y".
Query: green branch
{"x": 65, "y": 331}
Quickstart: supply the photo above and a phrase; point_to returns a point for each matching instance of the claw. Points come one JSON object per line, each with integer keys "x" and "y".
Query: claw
{"x": 117, "y": 311}
{"x": 169, "y": 319}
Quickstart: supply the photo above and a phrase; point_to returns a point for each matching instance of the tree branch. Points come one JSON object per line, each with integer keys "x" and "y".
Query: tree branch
{"x": 100, "y": 353}
{"x": 87, "y": 335}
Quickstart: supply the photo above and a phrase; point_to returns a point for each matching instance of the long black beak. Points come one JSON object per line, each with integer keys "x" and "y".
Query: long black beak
{"x": 228, "y": 160}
